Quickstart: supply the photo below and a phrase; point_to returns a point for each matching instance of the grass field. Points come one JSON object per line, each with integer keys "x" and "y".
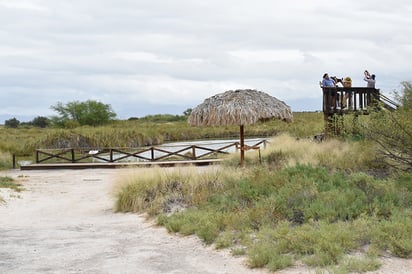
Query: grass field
{"x": 138, "y": 133}
{"x": 334, "y": 205}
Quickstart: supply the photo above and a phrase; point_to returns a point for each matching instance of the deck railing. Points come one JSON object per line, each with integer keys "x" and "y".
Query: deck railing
{"x": 346, "y": 100}
{"x": 339, "y": 99}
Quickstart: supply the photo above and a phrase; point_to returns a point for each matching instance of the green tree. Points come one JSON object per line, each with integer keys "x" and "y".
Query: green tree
{"x": 392, "y": 130}
{"x": 12, "y": 123}
{"x": 90, "y": 112}
{"x": 187, "y": 112}
{"x": 40, "y": 121}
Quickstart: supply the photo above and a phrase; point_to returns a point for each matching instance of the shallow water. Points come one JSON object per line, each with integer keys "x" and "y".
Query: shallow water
{"x": 186, "y": 148}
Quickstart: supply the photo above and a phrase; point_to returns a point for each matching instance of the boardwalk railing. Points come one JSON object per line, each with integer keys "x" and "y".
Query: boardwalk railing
{"x": 350, "y": 98}
{"x": 340, "y": 99}
{"x": 151, "y": 154}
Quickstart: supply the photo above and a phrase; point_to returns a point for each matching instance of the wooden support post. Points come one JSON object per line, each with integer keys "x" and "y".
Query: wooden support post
{"x": 193, "y": 152}
{"x": 326, "y": 125}
{"x": 14, "y": 160}
{"x": 242, "y": 146}
{"x": 355, "y": 102}
{"x": 72, "y": 152}
{"x": 152, "y": 154}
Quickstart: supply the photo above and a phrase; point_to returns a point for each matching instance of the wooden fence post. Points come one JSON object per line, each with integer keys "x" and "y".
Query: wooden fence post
{"x": 152, "y": 153}
{"x": 193, "y": 152}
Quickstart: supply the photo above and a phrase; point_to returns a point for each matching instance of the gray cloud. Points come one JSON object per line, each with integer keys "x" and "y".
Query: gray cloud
{"x": 146, "y": 57}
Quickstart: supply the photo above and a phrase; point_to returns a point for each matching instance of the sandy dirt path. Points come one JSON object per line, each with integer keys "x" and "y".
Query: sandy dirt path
{"x": 64, "y": 223}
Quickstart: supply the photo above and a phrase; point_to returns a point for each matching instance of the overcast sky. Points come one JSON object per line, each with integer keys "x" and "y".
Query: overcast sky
{"x": 149, "y": 57}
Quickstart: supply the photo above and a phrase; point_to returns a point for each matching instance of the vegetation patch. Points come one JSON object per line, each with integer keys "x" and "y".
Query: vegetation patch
{"x": 316, "y": 209}
{"x": 8, "y": 182}
{"x": 5, "y": 161}
{"x": 140, "y": 132}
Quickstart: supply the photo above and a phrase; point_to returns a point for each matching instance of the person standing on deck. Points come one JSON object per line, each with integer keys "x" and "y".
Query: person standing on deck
{"x": 370, "y": 79}
{"x": 328, "y": 82}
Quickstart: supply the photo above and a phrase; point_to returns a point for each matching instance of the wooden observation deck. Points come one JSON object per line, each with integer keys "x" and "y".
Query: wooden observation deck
{"x": 338, "y": 101}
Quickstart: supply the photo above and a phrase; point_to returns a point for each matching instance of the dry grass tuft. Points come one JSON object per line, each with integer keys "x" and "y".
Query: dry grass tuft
{"x": 287, "y": 151}
{"x": 166, "y": 190}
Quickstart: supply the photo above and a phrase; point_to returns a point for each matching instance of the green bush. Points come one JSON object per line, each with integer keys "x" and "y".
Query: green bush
{"x": 208, "y": 230}
{"x": 361, "y": 265}
{"x": 260, "y": 254}
{"x": 225, "y": 239}
{"x": 394, "y": 234}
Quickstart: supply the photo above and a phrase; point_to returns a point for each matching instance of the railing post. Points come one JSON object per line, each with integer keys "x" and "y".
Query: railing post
{"x": 152, "y": 154}
{"x": 111, "y": 155}
{"x": 37, "y": 156}
{"x": 242, "y": 146}
{"x": 72, "y": 152}
{"x": 361, "y": 100}
{"x": 14, "y": 160}
{"x": 355, "y": 101}
{"x": 193, "y": 152}
{"x": 326, "y": 101}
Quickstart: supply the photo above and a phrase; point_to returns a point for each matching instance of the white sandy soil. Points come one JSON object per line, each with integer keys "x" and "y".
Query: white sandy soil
{"x": 63, "y": 222}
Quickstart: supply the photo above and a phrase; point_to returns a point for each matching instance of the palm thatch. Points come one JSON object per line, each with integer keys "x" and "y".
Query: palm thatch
{"x": 239, "y": 107}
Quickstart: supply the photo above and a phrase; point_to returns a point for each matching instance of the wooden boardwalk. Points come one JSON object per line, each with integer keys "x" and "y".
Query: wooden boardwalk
{"x": 166, "y": 156}
{"x": 119, "y": 164}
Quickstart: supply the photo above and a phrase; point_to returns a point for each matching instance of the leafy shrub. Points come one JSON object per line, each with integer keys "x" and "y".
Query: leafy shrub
{"x": 225, "y": 240}
{"x": 394, "y": 234}
{"x": 381, "y": 195}
{"x": 361, "y": 265}
{"x": 260, "y": 254}
{"x": 208, "y": 230}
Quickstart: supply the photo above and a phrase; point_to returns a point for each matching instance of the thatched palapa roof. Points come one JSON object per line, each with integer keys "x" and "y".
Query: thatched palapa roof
{"x": 239, "y": 107}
